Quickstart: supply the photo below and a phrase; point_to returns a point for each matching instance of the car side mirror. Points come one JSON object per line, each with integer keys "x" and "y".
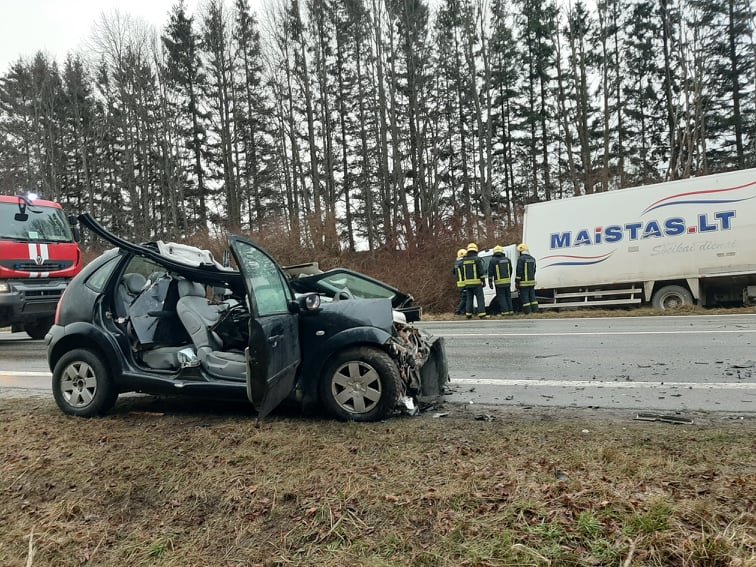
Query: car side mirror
{"x": 309, "y": 303}
{"x": 21, "y": 215}
{"x": 73, "y": 222}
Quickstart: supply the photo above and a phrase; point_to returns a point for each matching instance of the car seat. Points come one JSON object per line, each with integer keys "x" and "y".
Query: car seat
{"x": 197, "y": 315}
{"x": 128, "y": 289}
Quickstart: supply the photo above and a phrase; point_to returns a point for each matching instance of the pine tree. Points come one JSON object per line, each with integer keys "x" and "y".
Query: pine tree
{"x": 454, "y": 101}
{"x": 724, "y": 31}
{"x": 538, "y": 21}
{"x": 505, "y": 78}
{"x": 19, "y": 171}
{"x": 582, "y": 63}
{"x": 252, "y": 117}
{"x": 78, "y": 123}
{"x": 643, "y": 95}
{"x": 411, "y": 18}
{"x": 187, "y": 81}
{"x": 219, "y": 96}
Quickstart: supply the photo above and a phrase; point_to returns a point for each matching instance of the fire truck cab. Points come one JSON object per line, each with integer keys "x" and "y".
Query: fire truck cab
{"x": 39, "y": 255}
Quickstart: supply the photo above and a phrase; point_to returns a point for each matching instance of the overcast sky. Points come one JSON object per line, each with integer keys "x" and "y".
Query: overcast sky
{"x": 60, "y": 26}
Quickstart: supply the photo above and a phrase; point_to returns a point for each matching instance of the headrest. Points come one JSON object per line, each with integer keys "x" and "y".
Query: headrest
{"x": 186, "y": 287}
{"x": 134, "y": 282}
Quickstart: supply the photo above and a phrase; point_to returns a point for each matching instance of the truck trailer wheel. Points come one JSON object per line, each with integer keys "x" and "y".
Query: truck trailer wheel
{"x": 671, "y": 297}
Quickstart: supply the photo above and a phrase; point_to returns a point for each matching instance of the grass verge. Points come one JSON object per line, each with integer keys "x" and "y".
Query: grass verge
{"x": 184, "y": 484}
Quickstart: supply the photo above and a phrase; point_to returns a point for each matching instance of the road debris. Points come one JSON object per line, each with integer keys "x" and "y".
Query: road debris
{"x": 664, "y": 418}
{"x": 485, "y": 417}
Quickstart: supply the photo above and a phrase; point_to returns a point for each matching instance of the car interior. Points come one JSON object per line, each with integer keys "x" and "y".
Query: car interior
{"x": 200, "y": 318}
{"x": 172, "y": 323}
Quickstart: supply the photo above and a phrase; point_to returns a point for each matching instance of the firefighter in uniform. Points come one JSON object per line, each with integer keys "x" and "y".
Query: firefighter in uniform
{"x": 500, "y": 275}
{"x": 472, "y": 268}
{"x": 525, "y": 279}
{"x": 460, "y": 276}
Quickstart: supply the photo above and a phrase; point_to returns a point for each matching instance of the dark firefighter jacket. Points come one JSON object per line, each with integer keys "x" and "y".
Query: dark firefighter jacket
{"x": 526, "y": 270}
{"x": 472, "y": 270}
{"x": 500, "y": 270}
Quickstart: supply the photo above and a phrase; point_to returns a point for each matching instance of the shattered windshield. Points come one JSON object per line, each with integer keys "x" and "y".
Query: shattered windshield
{"x": 45, "y": 224}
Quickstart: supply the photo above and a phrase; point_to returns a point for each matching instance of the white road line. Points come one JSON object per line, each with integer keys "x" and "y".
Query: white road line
{"x": 599, "y": 333}
{"x": 604, "y": 384}
{"x": 627, "y": 317}
{"x": 27, "y": 374}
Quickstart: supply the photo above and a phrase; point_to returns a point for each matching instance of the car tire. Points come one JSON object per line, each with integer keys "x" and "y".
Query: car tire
{"x": 38, "y": 329}
{"x": 82, "y": 385}
{"x": 360, "y": 384}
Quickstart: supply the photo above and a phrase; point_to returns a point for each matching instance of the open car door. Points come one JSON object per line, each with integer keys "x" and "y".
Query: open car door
{"x": 273, "y": 354}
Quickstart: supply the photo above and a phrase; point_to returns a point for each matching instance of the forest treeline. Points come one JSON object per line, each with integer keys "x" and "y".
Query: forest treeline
{"x": 379, "y": 124}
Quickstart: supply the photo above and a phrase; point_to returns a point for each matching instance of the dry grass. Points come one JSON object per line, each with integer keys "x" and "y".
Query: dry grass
{"x": 178, "y": 484}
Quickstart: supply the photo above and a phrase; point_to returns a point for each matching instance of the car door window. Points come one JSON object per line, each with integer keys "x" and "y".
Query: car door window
{"x": 100, "y": 277}
{"x": 143, "y": 266}
{"x": 265, "y": 280}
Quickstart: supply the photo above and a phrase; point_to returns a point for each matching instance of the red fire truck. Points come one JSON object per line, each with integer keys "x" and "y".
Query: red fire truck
{"x": 39, "y": 255}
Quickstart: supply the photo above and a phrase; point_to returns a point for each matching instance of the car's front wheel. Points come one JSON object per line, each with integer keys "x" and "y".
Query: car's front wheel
{"x": 82, "y": 385}
{"x": 360, "y": 384}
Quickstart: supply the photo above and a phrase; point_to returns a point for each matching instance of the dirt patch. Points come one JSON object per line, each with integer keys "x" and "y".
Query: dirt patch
{"x": 175, "y": 483}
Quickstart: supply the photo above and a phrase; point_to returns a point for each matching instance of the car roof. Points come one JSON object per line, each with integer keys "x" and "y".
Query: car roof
{"x": 184, "y": 260}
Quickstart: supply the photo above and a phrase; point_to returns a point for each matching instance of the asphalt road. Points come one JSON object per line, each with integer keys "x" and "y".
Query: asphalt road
{"x": 644, "y": 363}
{"x": 687, "y": 363}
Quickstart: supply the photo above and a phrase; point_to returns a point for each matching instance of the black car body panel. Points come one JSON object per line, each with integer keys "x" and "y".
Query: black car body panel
{"x": 336, "y": 326}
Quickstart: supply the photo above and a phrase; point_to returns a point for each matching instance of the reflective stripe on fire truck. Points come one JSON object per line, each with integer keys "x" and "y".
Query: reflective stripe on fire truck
{"x": 39, "y": 254}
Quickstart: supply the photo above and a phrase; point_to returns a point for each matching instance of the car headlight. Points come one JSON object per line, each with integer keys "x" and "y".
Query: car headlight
{"x": 5, "y": 287}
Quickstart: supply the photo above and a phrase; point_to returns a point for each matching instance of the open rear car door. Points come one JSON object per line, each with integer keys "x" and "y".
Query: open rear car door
{"x": 273, "y": 354}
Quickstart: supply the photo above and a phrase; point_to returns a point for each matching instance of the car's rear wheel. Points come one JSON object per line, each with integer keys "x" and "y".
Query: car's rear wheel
{"x": 82, "y": 385}
{"x": 360, "y": 384}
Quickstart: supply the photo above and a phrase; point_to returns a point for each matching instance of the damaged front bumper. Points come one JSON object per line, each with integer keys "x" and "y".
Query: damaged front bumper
{"x": 421, "y": 359}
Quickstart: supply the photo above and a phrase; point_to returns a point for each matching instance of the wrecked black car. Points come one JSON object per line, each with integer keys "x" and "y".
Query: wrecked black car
{"x": 166, "y": 318}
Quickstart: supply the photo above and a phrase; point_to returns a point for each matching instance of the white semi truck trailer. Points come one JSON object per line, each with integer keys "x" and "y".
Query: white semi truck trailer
{"x": 668, "y": 244}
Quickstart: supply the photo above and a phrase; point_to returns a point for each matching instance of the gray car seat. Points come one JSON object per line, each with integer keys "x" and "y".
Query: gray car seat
{"x": 197, "y": 315}
{"x": 128, "y": 289}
